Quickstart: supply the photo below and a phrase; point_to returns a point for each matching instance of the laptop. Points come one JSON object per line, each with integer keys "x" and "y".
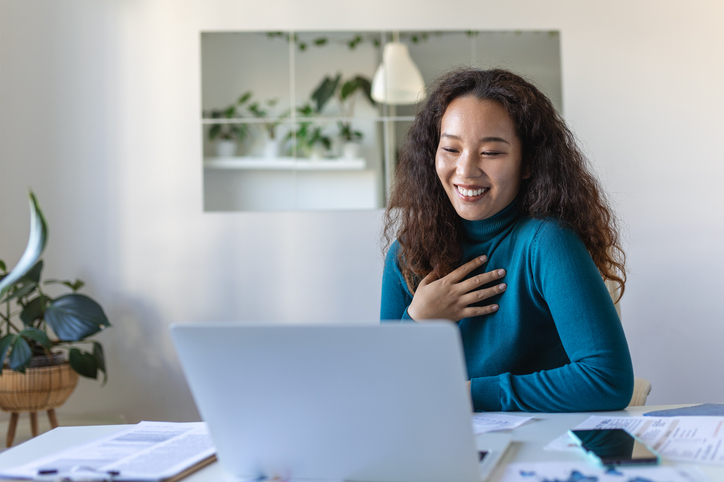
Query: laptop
{"x": 375, "y": 403}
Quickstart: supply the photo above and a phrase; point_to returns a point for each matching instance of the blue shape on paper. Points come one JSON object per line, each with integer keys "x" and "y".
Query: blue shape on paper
{"x": 705, "y": 409}
{"x": 575, "y": 476}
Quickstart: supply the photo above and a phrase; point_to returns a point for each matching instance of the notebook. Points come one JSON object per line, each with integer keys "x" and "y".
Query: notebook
{"x": 334, "y": 402}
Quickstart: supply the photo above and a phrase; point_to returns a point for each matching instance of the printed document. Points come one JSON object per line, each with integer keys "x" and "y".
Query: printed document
{"x": 490, "y": 422}
{"x": 684, "y": 439}
{"x": 582, "y": 472}
{"x": 148, "y": 451}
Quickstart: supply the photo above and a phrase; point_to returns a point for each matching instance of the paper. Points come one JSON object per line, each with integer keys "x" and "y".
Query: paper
{"x": 148, "y": 451}
{"x": 581, "y": 472}
{"x": 708, "y": 409}
{"x": 684, "y": 439}
{"x": 490, "y": 422}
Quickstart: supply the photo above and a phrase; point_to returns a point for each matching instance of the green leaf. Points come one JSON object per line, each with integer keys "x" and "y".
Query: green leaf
{"x": 2, "y": 266}
{"x": 36, "y": 244}
{"x": 23, "y": 290}
{"x": 365, "y": 85}
{"x": 325, "y": 91}
{"x": 320, "y": 41}
{"x": 214, "y": 131}
{"x": 5, "y": 342}
{"x": 37, "y": 335}
{"x": 75, "y": 317}
{"x": 83, "y": 363}
{"x": 75, "y": 286}
{"x": 230, "y": 112}
{"x": 100, "y": 359}
{"x": 348, "y": 89}
{"x": 34, "y": 273}
{"x": 20, "y": 355}
{"x": 244, "y": 97}
{"x": 34, "y": 309}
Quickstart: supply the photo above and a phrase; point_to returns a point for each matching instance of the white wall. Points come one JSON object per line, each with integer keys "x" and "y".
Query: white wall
{"x": 99, "y": 103}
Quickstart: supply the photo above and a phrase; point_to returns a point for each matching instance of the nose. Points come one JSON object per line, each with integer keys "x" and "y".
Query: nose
{"x": 468, "y": 165}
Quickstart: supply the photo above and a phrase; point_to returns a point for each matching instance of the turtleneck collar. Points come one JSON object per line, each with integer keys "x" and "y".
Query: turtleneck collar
{"x": 486, "y": 229}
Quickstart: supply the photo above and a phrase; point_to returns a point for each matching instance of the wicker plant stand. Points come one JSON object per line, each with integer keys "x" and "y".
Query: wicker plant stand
{"x": 40, "y": 388}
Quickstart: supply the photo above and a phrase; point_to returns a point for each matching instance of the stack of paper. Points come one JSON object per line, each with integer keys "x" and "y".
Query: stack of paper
{"x": 148, "y": 451}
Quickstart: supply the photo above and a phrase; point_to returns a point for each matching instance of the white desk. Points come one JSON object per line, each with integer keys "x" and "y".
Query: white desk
{"x": 528, "y": 443}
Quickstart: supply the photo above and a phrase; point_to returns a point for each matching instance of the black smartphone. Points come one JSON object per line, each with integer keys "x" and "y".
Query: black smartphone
{"x": 614, "y": 446}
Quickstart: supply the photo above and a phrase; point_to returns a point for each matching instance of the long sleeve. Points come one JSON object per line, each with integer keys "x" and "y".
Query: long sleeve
{"x": 395, "y": 297}
{"x": 598, "y": 376}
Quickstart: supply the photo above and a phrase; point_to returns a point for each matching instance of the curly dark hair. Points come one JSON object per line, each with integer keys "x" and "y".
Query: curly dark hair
{"x": 560, "y": 183}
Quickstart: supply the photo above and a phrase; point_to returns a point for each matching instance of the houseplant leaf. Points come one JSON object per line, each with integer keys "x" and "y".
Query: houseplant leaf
{"x": 36, "y": 335}
{"x": 33, "y": 250}
{"x": 325, "y": 91}
{"x": 34, "y": 310}
{"x": 20, "y": 354}
{"x": 75, "y": 317}
{"x": 100, "y": 360}
{"x": 33, "y": 274}
{"x": 83, "y": 363}
{"x": 74, "y": 286}
{"x": 21, "y": 288}
{"x": 366, "y": 86}
{"x": 4, "y": 346}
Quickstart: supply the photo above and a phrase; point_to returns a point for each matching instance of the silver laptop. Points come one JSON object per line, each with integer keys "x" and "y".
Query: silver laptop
{"x": 338, "y": 402}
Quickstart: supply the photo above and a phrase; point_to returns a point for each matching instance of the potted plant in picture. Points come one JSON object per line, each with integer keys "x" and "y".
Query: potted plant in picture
{"x": 227, "y": 135}
{"x": 309, "y": 139}
{"x": 269, "y": 124}
{"x": 345, "y": 93}
{"x": 44, "y": 339}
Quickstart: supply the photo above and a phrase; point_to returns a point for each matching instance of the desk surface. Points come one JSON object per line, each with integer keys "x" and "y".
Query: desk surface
{"x": 527, "y": 446}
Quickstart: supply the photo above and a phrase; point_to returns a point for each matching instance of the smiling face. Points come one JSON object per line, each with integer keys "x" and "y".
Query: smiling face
{"x": 479, "y": 158}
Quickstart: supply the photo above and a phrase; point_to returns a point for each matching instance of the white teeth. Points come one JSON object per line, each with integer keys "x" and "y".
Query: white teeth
{"x": 470, "y": 192}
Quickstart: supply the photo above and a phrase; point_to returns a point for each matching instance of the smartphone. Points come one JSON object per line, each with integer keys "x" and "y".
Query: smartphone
{"x": 614, "y": 446}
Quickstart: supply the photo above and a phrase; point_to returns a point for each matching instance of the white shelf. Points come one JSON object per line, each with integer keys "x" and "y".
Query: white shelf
{"x": 284, "y": 163}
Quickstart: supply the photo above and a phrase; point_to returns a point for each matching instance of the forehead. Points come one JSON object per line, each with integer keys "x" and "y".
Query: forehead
{"x": 470, "y": 114}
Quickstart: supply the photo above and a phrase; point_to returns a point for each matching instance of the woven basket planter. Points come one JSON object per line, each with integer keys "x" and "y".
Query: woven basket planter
{"x": 41, "y": 388}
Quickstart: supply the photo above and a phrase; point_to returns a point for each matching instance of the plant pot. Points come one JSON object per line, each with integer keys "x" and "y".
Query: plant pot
{"x": 350, "y": 150}
{"x": 225, "y": 148}
{"x": 39, "y": 388}
{"x": 317, "y": 152}
{"x": 271, "y": 148}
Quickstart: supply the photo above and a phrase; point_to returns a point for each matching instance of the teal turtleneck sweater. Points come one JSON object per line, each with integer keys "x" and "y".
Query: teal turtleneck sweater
{"x": 556, "y": 344}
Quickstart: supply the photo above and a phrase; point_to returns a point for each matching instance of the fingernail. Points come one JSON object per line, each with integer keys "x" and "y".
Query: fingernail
{"x": 502, "y": 286}
{"x": 501, "y": 272}
{"x": 494, "y": 307}
{"x": 483, "y": 258}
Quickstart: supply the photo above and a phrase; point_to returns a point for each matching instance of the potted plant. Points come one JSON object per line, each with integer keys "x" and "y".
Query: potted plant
{"x": 310, "y": 139}
{"x": 345, "y": 93}
{"x": 227, "y": 135}
{"x": 44, "y": 339}
{"x": 269, "y": 124}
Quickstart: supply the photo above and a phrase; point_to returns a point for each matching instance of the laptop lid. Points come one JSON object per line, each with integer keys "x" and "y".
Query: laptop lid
{"x": 346, "y": 402}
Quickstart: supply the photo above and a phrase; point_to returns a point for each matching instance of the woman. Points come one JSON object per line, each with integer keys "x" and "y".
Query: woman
{"x": 490, "y": 175}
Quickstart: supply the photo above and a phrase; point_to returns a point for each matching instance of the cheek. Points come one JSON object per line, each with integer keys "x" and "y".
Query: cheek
{"x": 441, "y": 168}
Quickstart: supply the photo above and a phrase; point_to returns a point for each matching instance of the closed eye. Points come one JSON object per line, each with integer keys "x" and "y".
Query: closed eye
{"x": 490, "y": 153}
{"x": 449, "y": 149}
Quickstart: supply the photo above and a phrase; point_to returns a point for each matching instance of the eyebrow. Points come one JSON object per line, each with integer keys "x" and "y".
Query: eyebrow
{"x": 484, "y": 139}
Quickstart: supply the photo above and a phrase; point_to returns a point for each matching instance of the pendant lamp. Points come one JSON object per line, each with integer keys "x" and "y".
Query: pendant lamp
{"x": 397, "y": 80}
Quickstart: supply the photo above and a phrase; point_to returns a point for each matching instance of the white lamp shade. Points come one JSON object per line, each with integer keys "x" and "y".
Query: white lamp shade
{"x": 397, "y": 81}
